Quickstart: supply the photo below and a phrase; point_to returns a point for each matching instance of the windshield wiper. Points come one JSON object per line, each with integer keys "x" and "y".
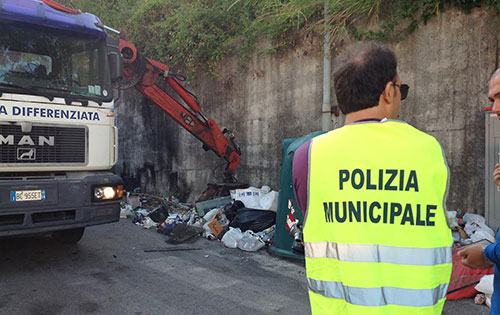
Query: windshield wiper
{"x": 11, "y": 85}
{"x": 80, "y": 97}
{"x": 69, "y": 100}
{"x": 30, "y": 89}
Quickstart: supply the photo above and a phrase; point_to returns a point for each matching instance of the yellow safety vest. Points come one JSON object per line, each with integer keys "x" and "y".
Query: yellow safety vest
{"x": 376, "y": 237}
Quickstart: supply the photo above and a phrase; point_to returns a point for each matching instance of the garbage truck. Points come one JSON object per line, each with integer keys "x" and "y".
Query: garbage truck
{"x": 59, "y": 70}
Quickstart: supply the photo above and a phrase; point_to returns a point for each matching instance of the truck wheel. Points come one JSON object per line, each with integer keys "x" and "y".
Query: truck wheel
{"x": 71, "y": 236}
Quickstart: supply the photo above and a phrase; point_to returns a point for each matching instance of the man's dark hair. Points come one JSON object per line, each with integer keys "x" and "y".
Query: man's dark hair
{"x": 362, "y": 77}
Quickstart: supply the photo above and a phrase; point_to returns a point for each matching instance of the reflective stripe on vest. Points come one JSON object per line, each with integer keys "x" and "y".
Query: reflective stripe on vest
{"x": 379, "y": 253}
{"x": 379, "y": 296}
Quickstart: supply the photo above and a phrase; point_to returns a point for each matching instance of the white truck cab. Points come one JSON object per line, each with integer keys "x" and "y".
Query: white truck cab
{"x": 58, "y": 139}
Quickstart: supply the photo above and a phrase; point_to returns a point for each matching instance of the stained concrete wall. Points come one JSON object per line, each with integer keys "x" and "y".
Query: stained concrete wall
{"x": 447, "y": 64}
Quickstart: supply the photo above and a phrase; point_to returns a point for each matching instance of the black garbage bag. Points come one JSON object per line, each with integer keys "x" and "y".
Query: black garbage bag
{"x": 231, "y": 210}
{"x": 253, "y": 219}
{"x": 159, "y": 214}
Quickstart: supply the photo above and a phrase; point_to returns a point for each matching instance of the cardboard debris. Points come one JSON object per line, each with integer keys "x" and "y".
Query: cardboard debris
{"x": 215, "y": 227}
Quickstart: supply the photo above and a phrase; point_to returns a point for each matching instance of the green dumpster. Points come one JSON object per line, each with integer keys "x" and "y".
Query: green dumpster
{"x": 282, "y": 244}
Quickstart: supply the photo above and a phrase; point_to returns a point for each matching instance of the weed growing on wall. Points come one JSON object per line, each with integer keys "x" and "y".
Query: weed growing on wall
{"x": 197, "y": 34}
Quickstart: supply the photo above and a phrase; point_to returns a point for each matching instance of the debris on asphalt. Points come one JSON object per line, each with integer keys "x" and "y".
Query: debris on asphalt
{"x": 183, "y": 232}
{"x": 471, "y": 228}
{"x": 468, "y": 230}
{"x": 159, "y": 214}
{"x": 485, "y": 286}
{"x": 238, "y": 215}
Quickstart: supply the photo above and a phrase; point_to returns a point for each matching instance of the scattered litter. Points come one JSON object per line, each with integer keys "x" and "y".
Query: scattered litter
{"x": 205, "y": 206}
{"x": 126, "y": 212}
{"x": 167, "y": 226}
{"x": 183, "y": 232}
{"x": 208, "y": 235}
{"x": 134, "y": 201}
{"x": 248, "y": 241}
{"x": 159, "y": 214}
{"x": 451, "y": 217}
{"x": 470, "y": 229}
{"x": 480, "y": 299}
{"x": 215, "y": 226}
{"x": 211, "y": 214}
{"x": 231, "y": 221}
{"x": 486, "y": 286}
{"x": 147, "y": 223}
{"x": 477, "y": 229}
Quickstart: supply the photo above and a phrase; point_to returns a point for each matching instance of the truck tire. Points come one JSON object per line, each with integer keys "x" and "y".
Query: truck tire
{"x": 70, "y": 236}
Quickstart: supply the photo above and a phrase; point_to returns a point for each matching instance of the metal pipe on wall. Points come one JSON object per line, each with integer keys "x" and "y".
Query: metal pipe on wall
{"x": 326, "y": 116}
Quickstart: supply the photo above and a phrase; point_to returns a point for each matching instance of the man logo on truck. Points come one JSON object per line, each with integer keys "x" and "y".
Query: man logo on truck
{"x": 26, "y": 140}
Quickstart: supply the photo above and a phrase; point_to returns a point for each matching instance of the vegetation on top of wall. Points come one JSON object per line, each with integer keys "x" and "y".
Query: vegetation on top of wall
{"x": 196, "y": 34}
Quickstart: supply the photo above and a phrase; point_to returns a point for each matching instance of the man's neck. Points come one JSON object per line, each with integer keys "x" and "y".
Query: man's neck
{"x": 365, "y": 114}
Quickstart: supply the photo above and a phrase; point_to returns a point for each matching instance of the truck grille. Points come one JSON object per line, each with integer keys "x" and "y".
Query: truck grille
{"x": 43, "y": 145}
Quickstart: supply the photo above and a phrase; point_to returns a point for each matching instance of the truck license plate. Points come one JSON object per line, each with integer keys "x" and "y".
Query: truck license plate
{"x": 27, "y": 195}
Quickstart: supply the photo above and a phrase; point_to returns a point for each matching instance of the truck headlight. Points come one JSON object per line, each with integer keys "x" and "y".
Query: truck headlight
{"x": 108, "y": 192}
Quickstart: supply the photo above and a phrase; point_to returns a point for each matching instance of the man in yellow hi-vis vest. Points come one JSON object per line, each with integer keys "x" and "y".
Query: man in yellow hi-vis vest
{"x": 375, "y": 235}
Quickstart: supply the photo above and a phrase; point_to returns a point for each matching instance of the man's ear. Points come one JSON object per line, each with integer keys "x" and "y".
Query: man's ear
{"x": 388, "y": 92}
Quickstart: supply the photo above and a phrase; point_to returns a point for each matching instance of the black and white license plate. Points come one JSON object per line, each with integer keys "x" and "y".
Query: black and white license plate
{"x": 27, "y": 195}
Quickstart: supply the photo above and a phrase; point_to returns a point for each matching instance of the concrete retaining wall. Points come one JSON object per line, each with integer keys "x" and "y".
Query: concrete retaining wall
{"x": 447, "y": 64}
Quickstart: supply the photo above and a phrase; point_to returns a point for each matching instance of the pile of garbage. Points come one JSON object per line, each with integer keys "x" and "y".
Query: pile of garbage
{"x": 471, "y": 228}
{"x": 466, "y": 282}
{"x": 246, "y": 219}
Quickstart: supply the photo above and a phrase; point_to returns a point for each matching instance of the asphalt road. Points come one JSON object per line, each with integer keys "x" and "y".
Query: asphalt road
{"x": 108, "y": 272}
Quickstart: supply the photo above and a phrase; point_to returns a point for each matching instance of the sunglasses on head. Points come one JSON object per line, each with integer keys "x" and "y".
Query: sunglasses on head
{"x": 404, "y": 90}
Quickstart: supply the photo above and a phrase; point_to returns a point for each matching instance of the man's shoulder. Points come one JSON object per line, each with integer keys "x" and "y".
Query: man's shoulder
{"x": 413, "y": 131}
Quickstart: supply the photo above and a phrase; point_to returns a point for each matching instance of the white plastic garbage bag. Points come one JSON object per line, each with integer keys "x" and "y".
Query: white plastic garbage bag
{"x": 147, "y": 223}
{"x": 472, "y": 217}
{"x": 451, "y": 218}
{"x": 269, "y": 201}
{"x": 210, "y": 215}
{"x": 250, "y": 242}
{"x": 257, "y": 198}
{"x": 126, "y": 211}
{"x": 231, "y": 238}
{"x": 477, "y": 229}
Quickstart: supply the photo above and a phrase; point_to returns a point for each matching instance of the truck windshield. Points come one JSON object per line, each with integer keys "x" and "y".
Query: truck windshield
{"x": 38, "y": 60}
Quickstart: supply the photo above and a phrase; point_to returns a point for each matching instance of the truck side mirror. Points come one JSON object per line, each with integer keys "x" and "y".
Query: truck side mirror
{"x": 115, "y": 59}
{"x": 115, "y": 65}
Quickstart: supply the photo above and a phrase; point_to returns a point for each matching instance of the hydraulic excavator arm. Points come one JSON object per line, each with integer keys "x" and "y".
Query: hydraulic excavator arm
{"x": 143, "y": 74}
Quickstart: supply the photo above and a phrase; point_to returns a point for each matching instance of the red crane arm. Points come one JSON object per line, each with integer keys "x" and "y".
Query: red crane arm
{"x": 59, "y": 7}
{"x": 143, "y": 74}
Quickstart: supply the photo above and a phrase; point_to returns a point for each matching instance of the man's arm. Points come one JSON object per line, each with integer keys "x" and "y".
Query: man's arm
{"x": 300, "y": 170}
{"x": 481, "y": 256}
